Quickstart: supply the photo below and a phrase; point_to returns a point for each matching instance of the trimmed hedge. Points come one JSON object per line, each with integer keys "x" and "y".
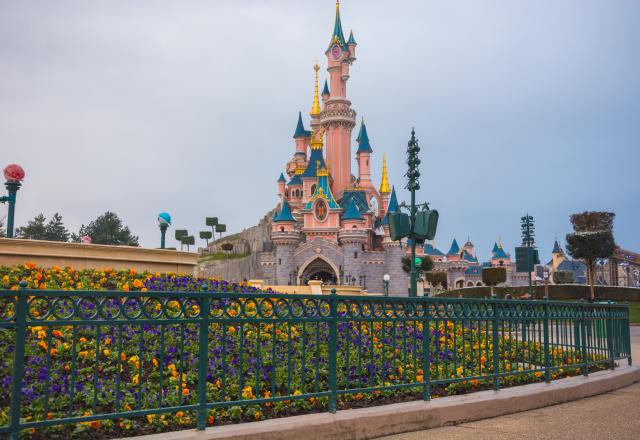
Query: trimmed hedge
{"x": 556, "y": 292}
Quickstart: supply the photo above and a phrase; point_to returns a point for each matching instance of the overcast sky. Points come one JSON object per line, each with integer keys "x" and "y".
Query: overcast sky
{"x": 189, "y": 107}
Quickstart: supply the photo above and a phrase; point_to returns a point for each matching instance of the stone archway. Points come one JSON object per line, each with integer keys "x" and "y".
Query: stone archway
{"x": 320, "y": 268}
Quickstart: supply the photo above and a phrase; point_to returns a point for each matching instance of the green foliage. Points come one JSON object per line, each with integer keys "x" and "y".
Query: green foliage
{"x": 221, "y": 228}
{"x": 206, "y": 235}
{"x": 179, "y": 233}
{"x": 188, "y": 240}
{"x": 436, "y": 278}
{"x": 35, "y": 230}
{"x": 425, "y": 266}
{"x": 55, "y": 229}
{"x": 492, "y": 276}
{"x": 227, "y": 247}
{"x": 211, "y": 221}
{"x": 563, "y": 277}
{"x": 592, "y": 240}
{"x": 107, "y": 229}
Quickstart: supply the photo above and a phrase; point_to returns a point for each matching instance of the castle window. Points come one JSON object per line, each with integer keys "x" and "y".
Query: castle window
{"x": 281, "y": 228}
{"x": 354, "y": 227}
{"x": 279, "y": 261}
{"x": 355, "y": 255}
{"x": 501, "y": 263}
{"x": 313, "y": 189}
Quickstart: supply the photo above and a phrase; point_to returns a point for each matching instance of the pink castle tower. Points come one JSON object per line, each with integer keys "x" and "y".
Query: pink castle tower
{"x": 337, "y": 117}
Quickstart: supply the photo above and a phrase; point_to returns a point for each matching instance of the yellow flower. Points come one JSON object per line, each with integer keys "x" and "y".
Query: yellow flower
{"x": 106, "y": 352}
{"x": 150, "y": 418}
{"x": 135, "y": 379}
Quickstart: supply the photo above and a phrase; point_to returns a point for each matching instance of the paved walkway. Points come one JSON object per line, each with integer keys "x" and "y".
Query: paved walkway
{"x": 610, "y": 416}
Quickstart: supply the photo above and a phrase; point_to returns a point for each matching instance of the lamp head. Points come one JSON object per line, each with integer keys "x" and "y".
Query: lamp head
{"x": 164, "y": 219}
{"x": 386, "y": 277}
{"x": 13, "y": 173}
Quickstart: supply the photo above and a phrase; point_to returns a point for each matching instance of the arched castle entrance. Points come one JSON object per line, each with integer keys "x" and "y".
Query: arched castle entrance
{"x": 318, "y": 268}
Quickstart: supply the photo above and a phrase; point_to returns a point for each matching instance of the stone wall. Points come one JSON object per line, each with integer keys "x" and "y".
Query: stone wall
{"x": 95, "y": 256}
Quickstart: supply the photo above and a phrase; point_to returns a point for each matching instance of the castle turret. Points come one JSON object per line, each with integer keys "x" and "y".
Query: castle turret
{"x": 282, "y": 187}
{"x": 338, "y": 119}
{"x": 351, "y": 44}
{"x": 302, "y": 137}
{"x": 385, "y": 189}
{"x": 557, "y": 256}
{"x": 285, "y": 238}
{"x": 363, "y": 155}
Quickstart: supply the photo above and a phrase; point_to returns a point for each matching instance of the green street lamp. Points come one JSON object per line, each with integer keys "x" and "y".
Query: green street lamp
{"x": 164, "y": 221}
{"x": 14, "y": 175}
{"x": 385, "y": 279}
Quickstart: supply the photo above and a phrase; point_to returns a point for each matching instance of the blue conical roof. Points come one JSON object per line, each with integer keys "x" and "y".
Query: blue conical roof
{"x": 351, "y": 39}
{"x": 556, "y": 248}
{"x": 281, "y": 178}
{"x": 500, "y": 253}
{"x": 285, "y": 214}
{"x": 454, "y": 249}
{"x": 295, "y": 180}
{"x": 363, "y": 140}
{"x": 325, "y": 90}
{"x": 316, "y": 160}
{"x": 352, "y": 212}
{"x": 393, "y": 205}
{"x": 300, "y": 130}
{"x": 338, "y": 36}
{"x": 495, "y": 248}
{"x": 430, "y": 250}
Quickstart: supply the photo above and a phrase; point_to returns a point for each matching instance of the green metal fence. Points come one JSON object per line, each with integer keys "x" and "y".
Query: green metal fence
{"x": 82, "y": 357}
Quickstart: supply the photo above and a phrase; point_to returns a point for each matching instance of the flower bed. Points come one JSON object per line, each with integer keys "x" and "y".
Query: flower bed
{"x": 265, "y": 369}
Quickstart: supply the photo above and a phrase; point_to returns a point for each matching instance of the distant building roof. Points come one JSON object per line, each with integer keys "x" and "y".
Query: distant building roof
{"x": 556, "y": 248}
{"x": 500, "y": 254}
{"x": 473, "y": 270}
{"x": 454, "y": 249}
{"x": 430, "y": 250}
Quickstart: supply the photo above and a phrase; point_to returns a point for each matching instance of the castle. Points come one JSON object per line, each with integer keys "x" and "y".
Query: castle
{"x": 330, "y": 225}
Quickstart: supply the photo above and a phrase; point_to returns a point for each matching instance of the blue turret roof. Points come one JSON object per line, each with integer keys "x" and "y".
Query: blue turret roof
{"x": 352, "y": 212}
{"x": 393, "y": 205}
{"x": 351, "y": 39}
{"x": 556, "y": 248}
{"x": 300, "y": 130}
{"x": 363, "y": 140}
{"x": 316, "y": 160}
{"x": 337, "y": 36}
{"x": 454, "y": 249}
{"x": 281, "y": 178}
{"x": 486, "y": 264}
{"x": 285, "y": 214}
{"x": 430, "y": 250}
{"x": 295, "y": 180}
{"x": 495, "y": 248}
{"x": 500, "y": 253}
{"x": 325, "y": 90}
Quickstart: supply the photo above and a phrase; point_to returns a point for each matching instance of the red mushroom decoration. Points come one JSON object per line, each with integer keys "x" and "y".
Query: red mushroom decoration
{"x": 13, "y": 173}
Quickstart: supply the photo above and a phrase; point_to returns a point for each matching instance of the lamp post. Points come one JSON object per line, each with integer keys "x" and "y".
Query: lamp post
{"x": 14, "y": 175}
{"x": 385, "y": 280}
{"x": 164, "y": 221}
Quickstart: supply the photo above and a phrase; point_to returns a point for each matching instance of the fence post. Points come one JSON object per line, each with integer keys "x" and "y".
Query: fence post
{"x": 203, "y": 358}
{"x": 333, "y": 344}
{"x": 626, "y": 329}
{"x": 18, "y": 361}
{"x": 547, "y": 366}
{"x": 583, "y": 339}
{"x": 610, "y": 341}
{"x": 496, "y": 373}
{"x": 426, "y": 352}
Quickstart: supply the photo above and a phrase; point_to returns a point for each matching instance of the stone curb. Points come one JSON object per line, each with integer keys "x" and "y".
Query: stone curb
{"x": 368, "y": 423}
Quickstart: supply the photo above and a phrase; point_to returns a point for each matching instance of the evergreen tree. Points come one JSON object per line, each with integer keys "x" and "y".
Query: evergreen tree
{"x": 107, "y": 229}
{"x": 55, "y": 230}
{"x": 35, "y": 229}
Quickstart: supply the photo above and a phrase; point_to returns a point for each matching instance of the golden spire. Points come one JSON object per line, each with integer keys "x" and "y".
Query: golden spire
{"x": 384, "y": 183}
{"x": 315, "y": 108}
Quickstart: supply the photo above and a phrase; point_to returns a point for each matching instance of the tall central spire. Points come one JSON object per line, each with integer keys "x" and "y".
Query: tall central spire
{"x": 384, "y": 182}
{"x": 338, "y": 36}
{"x": 315, "y": 108}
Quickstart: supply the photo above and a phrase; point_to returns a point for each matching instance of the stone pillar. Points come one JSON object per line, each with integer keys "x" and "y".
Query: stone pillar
{"x": 399, "y": 283}
{"x": 286, "y": 244}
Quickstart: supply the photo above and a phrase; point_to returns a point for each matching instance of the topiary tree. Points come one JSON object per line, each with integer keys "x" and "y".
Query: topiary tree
{"x": 436, "y": 278}
{"x": 492, "y": 276}
{"x": 227, "y": 247}
{"x": 591, "y": 241}
{"x": 206, "y": 235}
{"x": 425, "y": 266}
{"x": 220, "y": 229}
{"x": 563, "y": 277}
{"x": 188, "y": 240}
{"x": 180, "y": 234}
